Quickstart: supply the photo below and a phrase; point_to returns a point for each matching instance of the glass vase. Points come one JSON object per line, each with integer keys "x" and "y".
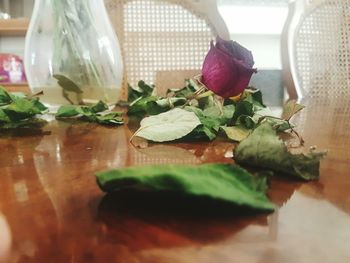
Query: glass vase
{"x": 72, "y": 53}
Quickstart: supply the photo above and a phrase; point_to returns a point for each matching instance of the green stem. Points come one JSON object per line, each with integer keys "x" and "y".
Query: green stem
{"x": 204, "y": 94}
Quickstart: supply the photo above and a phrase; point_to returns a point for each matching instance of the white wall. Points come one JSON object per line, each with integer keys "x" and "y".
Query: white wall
{"x": 265, "y": 48}
{"x": 13, "y": 45}
{"x": 258, "y": 28}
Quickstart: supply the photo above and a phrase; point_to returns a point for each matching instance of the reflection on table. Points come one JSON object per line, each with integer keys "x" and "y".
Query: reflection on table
{"x": 54, "y": 209}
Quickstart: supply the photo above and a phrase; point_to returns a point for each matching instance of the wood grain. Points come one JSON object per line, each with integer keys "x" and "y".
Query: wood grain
{"x": 56, "y": 212}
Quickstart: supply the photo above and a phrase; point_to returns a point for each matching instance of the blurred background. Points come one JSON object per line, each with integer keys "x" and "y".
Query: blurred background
{"x": 256, "y": 24}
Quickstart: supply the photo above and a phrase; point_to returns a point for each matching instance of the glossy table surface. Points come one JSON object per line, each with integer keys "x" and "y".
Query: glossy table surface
{"x": 51, "y": 209}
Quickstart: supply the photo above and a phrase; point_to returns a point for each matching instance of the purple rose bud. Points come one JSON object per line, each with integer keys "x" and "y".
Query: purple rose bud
{"x": 227, "y": 68}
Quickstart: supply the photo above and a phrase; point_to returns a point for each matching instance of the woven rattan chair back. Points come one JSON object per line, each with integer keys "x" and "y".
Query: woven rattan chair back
{"x": 316, "y": 48}
{"x": 164, "y": 41}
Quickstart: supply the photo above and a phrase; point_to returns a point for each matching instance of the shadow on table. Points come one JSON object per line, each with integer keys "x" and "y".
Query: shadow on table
{"x": 142, "y": 220}
{"x": 23, "y": 132}
{"x": 170, "y": 204}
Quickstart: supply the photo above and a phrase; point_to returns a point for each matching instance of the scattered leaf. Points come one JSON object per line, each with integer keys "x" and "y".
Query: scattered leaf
{"x": 264, "y": 149}
{"x": 99, "y": 107}
{"x": 221, "y": 182}
{"x": 140, "y": 106}
{"x": 243, "y": 108}
{"x": 67, "y": 111}
{"x": 236, "y": 133}
{"x": 168, "y": 126}
{"x": 19, "y": 111}
{"x": 142, "y": 90}
{"x": 95, "y": 113}
{"x": 112, "y": 118}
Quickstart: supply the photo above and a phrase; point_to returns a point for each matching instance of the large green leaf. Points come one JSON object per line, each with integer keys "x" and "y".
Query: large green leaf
{"x": 217, "y": 181}
{"x": 264, "y": 149}
{"x": 168, "y": 126}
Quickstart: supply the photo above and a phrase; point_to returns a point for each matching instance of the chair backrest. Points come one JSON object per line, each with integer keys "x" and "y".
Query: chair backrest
{"x": 315, "y": 48}
{"x": 161, "y": 37}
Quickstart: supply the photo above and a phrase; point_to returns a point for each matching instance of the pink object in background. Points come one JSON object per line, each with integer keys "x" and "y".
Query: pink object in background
{"x": 11, "y": 69}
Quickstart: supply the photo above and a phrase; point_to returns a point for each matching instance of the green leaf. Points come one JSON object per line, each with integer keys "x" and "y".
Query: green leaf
{"x": 168, "y": 126}
{"x": 290, "y": 109}
{"x": 246, "y": 121}
{"x": 67, "y": 84}
{"x": 5, "y": 97}
{"x": 242, "y": 108}
{"x": 221, "y": 182}
{"x": 18, "y": 111}
{"x": 111, "y": 118}
{"x": 95, "y": 113}
{"x": 236, "y": 133}
{"x": 211, "y": 118}
{"x": 209, "y": 128}
{"x": 140, "y": 107}
{"x": 266, "y": 114}
{"x": 4, "y": 117}
{"x": 142, "y": 90}
{"x": 67, "y": 111}
{"x": 85, "y": 111}
{"x": 22, "y": 108}
{"x": 224, "y": 114}
{"x": 255, "y": 97}
{"x": 200, "y": 133}
{"x": 278, "y": 124}
{"x": 99, "y": 107}
{"x": 264, "y": 149}
{"x": 185, "y": 92}
{"x": 162, "y": 105}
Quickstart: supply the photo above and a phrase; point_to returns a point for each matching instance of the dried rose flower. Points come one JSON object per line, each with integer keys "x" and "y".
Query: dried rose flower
{"x": 227, "y": 68}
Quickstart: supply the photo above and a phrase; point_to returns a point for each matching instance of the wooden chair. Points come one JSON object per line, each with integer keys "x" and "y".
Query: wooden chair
{"x": 164, "y": 41}
{"x": 316, "y": 48}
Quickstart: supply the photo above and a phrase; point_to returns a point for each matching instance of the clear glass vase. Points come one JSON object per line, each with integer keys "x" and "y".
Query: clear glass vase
{"x": 72, "y": 53}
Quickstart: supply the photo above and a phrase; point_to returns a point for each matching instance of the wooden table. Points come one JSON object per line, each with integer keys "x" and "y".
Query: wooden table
{"x": 56, "y": 212}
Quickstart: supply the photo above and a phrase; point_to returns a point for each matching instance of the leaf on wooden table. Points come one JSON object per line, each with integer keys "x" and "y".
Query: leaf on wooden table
{"x": 168, "y": 126}
{"x": 236, "y": 133}
{"x": 67, "y": 111}
{"x": 96, "y": 113}
{"x": 220, "y": 182}
{"x": 112, "y": 118}
{"x": 264, "y": 149}
{"x": 141, "y": 90}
